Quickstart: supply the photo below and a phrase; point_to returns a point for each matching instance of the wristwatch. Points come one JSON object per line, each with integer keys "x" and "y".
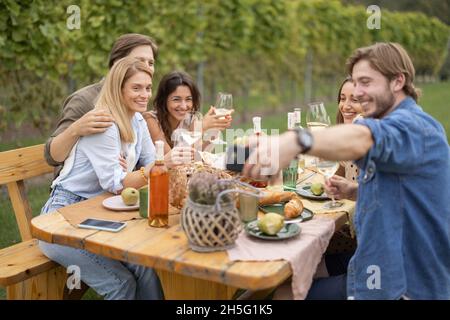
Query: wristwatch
{"x": 304, "y": 139}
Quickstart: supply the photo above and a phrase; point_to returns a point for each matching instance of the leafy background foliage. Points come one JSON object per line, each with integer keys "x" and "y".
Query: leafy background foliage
{"x": 249, "y": 47}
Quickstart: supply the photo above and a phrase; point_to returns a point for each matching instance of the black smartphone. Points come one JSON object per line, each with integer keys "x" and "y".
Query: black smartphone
{"x": 236, "y": 157}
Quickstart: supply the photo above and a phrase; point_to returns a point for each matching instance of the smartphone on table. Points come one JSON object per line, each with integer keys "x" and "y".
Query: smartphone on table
{"x": 105, "y": 225}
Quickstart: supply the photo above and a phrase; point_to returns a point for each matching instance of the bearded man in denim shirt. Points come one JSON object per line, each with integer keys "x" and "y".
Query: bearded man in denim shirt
{"x": 402, "y": 215}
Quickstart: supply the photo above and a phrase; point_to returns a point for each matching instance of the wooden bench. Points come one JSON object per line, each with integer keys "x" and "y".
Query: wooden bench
{"x": 24, "y": 270}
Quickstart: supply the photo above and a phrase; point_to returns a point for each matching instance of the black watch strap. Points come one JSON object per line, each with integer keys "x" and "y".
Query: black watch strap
{"x": 304, "y": 139}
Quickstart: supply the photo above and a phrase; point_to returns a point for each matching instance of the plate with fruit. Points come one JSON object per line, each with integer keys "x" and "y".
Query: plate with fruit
{"x": 314, "y": 191}
{"x": 127, "y": 200}
{"x": 272, "y": 227}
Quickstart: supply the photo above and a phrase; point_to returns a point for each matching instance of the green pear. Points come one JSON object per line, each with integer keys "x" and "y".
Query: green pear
{"x": 130, "y": 196}
{"x": 317, "y": 188}
{"x": 271, "y": 223}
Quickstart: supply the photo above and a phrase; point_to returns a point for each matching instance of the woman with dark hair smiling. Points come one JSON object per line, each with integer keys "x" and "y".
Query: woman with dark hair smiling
{"x": 177, "y": 96}
{"x": 349, "y": 109}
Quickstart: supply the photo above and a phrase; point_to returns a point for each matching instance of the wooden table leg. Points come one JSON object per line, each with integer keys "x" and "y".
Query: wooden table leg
{"x": 179, "y": 287}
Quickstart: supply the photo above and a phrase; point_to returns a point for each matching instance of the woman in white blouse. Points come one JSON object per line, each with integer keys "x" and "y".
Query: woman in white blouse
{"x": 93, "y": 167}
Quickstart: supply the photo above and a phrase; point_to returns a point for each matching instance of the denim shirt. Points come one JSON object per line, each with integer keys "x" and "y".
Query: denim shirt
{"x": 96, "y": 167}
{"x": 402, "y": 215}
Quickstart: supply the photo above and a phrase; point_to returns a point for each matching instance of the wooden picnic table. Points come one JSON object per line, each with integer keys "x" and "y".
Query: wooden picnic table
{"x": 184, "y": 274}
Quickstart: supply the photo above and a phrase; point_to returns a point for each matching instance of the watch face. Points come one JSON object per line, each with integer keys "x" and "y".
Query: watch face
{"x": 305, "y": 140}
{"x": 308, "y": 139}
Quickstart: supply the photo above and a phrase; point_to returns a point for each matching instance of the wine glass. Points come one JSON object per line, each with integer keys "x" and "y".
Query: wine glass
{"x": 224, "y": 104}
{"x": 223, "y": 107}
{"x": 317, "y": 117}
{"x": 328, "y": 168}
{"x": 189, "y": 131}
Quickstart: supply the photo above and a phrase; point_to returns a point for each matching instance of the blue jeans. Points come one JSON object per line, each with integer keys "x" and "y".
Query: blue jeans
{"x": 333, "y": 287}
{"x": 113, "y": 279}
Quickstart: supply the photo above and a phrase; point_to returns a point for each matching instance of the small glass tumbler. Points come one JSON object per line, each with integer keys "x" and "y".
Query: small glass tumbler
{"x": 248, "y": 207}
{"x": 290, "y": 175}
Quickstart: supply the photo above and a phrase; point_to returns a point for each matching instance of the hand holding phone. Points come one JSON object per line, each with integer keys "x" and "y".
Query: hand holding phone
{"x": 105, "y": 225}
{"x": 236, "y": 157}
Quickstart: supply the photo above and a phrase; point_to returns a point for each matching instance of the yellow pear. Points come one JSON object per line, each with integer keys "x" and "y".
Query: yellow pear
{"x": 271, "y": 223}
{"x": 130, "y": 196}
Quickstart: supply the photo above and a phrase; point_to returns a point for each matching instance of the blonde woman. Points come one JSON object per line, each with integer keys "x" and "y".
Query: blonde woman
{"x": 93, "y": 167}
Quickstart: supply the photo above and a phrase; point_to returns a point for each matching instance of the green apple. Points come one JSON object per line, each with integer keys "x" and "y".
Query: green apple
{"x": 271, "y": 223}
{"x": 130, "y": 196}
{"x": 317, "y": 188}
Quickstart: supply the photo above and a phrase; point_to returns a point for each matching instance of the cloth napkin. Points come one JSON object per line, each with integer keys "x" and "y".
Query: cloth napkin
{"x": 317, "y": 206}
{"x": 348, "y": 207}
{"x": 304, "y": 252}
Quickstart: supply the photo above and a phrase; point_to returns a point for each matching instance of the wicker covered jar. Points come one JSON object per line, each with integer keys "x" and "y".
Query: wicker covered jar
{"x": 208, "y": 229}
{"x": 209, "y": 217}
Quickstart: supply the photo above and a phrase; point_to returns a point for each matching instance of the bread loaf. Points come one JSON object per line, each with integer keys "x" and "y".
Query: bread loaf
{"x": 293, "y": 208}
{"x": 275, "y": 197}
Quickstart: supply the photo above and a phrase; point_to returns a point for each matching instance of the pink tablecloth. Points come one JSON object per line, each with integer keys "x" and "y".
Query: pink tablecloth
{"x": 304, "y": 252}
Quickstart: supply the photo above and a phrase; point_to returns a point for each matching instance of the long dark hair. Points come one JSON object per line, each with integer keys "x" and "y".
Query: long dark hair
{"x": 168, "y": 84}
{"x": 339, "y": 116}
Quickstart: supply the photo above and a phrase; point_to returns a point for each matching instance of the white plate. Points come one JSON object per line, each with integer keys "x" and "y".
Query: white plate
{"x": 215, "y": 160}
{"x": 116, "y": 203}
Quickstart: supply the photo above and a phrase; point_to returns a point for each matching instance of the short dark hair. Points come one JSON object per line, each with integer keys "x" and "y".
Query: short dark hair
{"x": 168, "y": 84}
{"x": 126, "y": 43}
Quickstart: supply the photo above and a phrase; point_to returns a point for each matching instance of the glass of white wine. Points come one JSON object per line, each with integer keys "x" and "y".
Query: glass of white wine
{"x": 317, "y": 118}
{"x": 189, "y": 131}
{"x": 328, "y": 168}
{"x": 223, "y": 107}
{"x": 224, "y": 104}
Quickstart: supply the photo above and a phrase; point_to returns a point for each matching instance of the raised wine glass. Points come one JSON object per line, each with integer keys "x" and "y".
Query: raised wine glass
{"x": 224, "y": 104}
{"x": 223, "y": 107}
{"x": 317, "y": 118}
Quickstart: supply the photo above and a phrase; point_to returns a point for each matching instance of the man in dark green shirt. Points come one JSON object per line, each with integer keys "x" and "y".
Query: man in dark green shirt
{"x": 78, "y": 117}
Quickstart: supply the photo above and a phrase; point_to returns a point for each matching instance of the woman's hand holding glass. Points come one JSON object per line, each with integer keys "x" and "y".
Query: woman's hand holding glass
{"x": 179, "y": 156}
{"x": 189, "y": 135}
{"x": 222, "y": 111}
{"x": 212, "y": 120}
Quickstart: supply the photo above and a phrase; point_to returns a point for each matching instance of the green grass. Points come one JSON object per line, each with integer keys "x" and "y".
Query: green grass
{"x": 25, "y": 142}
{"x": 435, "y": 100}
